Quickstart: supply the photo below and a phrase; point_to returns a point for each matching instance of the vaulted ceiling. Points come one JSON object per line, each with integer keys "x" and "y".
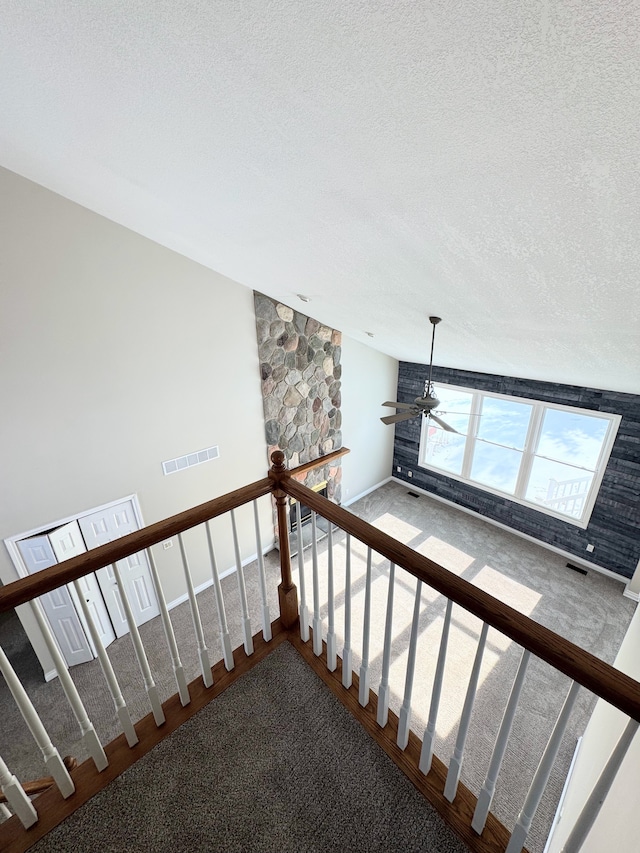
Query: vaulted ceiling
{"x": 389, "y": 160}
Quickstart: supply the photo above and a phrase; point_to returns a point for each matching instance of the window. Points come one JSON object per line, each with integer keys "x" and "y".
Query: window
{"x": 543, "y": 455}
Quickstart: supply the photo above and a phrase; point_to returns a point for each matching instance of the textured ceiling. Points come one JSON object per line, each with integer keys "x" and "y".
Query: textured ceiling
{"x": 475, "y": 159}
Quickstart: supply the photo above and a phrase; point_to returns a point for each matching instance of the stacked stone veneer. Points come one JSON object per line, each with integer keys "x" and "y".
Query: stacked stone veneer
{"x": 300, "y": 372}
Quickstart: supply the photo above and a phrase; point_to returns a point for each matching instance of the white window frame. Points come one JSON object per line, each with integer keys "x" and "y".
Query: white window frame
{"x": 528, "y": 453}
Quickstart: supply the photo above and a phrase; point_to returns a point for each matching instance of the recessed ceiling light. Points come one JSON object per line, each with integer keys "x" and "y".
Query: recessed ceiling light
{"x": 304, "y": 298}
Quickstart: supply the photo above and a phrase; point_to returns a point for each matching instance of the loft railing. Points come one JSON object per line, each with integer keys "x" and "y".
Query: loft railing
{"x": 581, "y": 667}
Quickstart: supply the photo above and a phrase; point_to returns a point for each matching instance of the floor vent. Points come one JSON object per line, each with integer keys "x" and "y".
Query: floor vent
{"x": 191, "y": 459}
{"x": 413, "y": 494}
{"x": 577, "y": 569}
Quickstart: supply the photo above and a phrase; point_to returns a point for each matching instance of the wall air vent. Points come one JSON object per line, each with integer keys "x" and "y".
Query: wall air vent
{"x": 191, "y": 459}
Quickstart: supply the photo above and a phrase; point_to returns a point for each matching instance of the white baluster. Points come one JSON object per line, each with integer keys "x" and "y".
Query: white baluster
{"x": 89, "y": 737}
{"x": 203, "y": 652}
{"x": 383, "y": 692}
{"x": 107, "y": 670}
{"x": 16, "y": 797}
{"x": 486, "y": 794}
{"x": 426, "y": 753}
{"x": 52, "y": 760}
{"x": 246, "y": 622}
{"x": 266, "y": 615}
{"x": 347, "y": 671}
{"x": 541, "y": 777}
{"x": 6, "y": 812}
{"x": 317, "y": 624}
{"x": 143, "y": 663}
{"x": 332, "y": 654}
{"x": 178, "y": 669}
{"x": 225, "y": 639}
{"x": 304, "y": 610}
{"x": 404, "y": 720}
{"x": 363, "y": 697}
{"x": 455, "y": 765}
{"x": 592, "y": 807}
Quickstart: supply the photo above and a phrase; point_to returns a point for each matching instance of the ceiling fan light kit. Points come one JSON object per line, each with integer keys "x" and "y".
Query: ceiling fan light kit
{"x": 425, "y": 405}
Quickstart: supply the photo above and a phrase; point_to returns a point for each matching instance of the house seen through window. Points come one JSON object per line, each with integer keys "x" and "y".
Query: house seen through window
{"x": 543, "y": 455}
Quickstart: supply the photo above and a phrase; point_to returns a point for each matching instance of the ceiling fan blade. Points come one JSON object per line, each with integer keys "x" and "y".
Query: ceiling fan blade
{"x": 442, "y": 424}
{"x": 403, "y": 416}
{"x": 400, "y": 405}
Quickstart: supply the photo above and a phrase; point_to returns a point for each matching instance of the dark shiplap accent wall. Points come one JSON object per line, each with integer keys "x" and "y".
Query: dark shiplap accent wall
{"x": 614, "y": 527}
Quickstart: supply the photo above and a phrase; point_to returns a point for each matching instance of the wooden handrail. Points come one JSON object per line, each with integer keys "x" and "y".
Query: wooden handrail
{"x": 317, "y": 463}
{"x": 25, "y": 589}
{"x": 601, "y": 678}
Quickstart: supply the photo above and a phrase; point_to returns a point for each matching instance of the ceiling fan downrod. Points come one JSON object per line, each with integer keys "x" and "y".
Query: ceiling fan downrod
{"x": 434, "y": 322}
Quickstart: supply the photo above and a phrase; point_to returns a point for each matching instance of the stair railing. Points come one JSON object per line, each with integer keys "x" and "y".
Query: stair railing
{"x": 581, "y": 667}
{"x": 27, "y": 590}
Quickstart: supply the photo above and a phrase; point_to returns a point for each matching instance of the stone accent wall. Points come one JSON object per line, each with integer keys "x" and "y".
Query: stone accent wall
{"x": 300, "y": 372}
{"x": 614, "y": 527}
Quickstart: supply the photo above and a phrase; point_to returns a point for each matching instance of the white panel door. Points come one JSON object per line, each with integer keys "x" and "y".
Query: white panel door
{"x": 59, "y": 609}
{"x": 67, "y": 542}
{"x": 105, "y": 526}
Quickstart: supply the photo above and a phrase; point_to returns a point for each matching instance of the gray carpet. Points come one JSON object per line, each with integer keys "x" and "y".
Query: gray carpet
{"x": 275, "y": 764}
{"x": 16, "y": 744}
{"x": 590, "y": 610}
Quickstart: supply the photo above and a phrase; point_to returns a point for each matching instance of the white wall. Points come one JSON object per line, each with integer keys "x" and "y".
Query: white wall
{"x": 116, "y": 354}
{"x": 618, "y": 824}
{"x": 368, "y": 379}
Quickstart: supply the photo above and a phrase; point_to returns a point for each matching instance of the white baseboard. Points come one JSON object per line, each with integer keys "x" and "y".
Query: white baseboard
{"x": 565, "y": 554}
{"x": 367, "y": 492}
{"x": 51, "y": 674}
{"x": 634, "y": 596}
{"x": 201, "y": 587}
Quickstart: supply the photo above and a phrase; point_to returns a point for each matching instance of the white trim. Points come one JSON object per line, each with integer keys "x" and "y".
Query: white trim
{"x": 566, "y": 554}
{"x": 634, "y": 581}
{"x": 529, "y": 451}
{"x": 367, "y": 492}
{"x": 21, "y": 569}
{"x": 201, "y": 587}
{"x": 558, "y": 815}
{"x": 11, "y": 541}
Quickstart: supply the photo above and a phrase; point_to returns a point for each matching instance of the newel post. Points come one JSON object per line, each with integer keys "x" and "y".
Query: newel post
{"x": 287, "y": 592}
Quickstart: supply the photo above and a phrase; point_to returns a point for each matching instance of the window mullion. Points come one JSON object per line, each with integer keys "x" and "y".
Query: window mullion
{"x": 531, "y": 463}
{"x": 472, "y": 431}
{"x": 530, "y": 447}
{"x": 422, "y": 450}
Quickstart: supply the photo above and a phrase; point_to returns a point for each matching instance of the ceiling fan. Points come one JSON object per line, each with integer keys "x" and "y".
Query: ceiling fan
{"x": 424, "y": 405}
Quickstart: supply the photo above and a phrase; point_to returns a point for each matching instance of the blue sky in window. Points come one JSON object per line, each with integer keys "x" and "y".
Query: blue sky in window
{"x": 456, "y": 405}
{"x": 572, "y": 442}
{"x": 504, "y": 422}
{"x": 496, "y": 467}
{"x": 572, "y": 438}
